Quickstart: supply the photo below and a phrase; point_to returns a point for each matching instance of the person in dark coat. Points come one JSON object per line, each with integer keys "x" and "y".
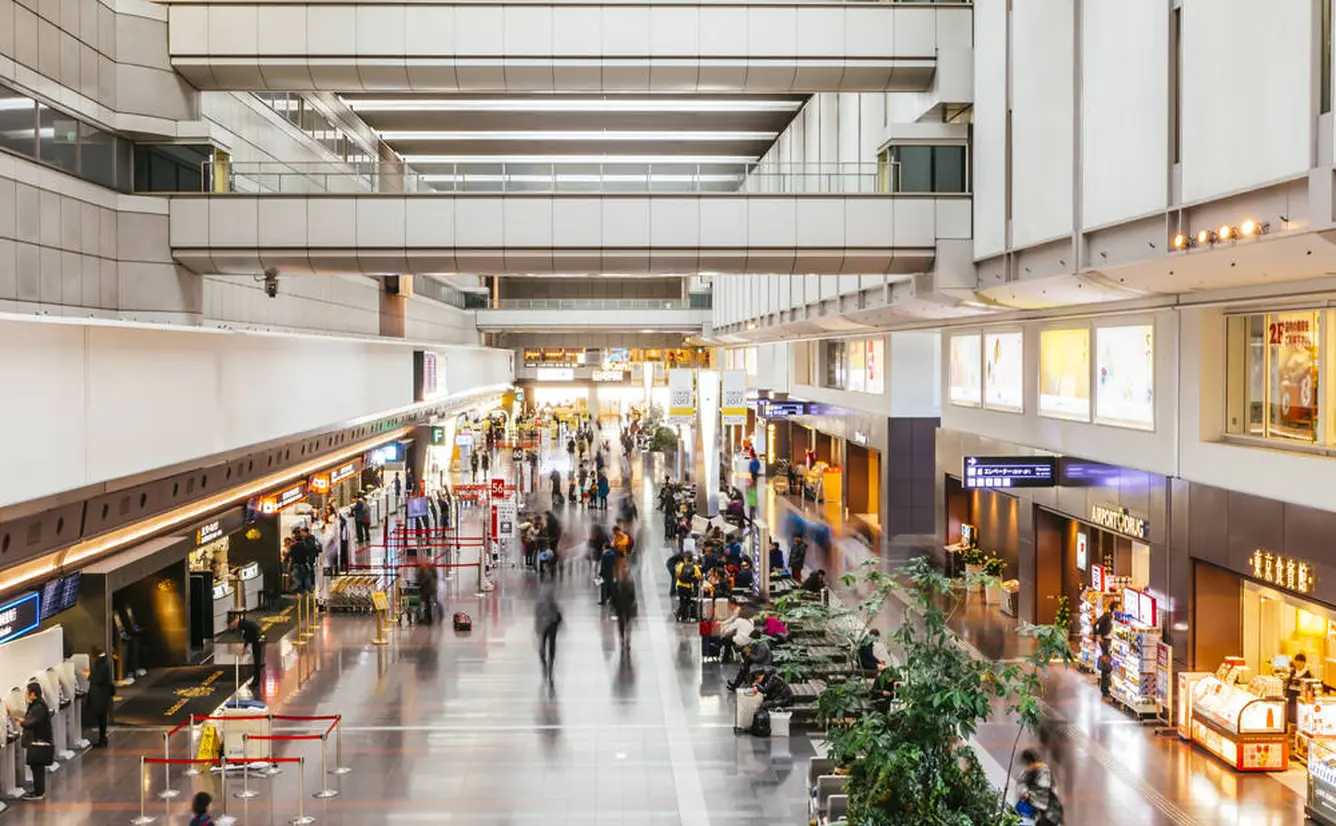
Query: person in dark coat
{"x": 797, "y": 557}
{"x": 37, "y": 740}
{"x": 607, "y": 567}
{"x": 254, "y": 637}
{"x": 100, "y": 692}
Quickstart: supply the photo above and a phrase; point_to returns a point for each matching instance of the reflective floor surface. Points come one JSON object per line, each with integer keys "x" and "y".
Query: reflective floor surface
{"x": 440, "y": 727}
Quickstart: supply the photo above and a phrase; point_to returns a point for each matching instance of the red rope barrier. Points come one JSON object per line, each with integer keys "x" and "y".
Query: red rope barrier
{"x": 306, "y": 716}
{"x": 180, "y": 726}
{"x": 285, "y": 737}
{"x": 237, "y": 719}
{"x": 179, "y": 761}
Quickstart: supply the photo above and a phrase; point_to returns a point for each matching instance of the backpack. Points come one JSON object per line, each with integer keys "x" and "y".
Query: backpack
{"x": 462, "y": 621}
{"x": 760, "y": 726}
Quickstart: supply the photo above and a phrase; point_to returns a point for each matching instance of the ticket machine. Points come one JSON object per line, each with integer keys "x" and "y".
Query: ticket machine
{"x": 69, "y": 690}
{"x": 12, "y": 763}
{"x": 78, "y": 666}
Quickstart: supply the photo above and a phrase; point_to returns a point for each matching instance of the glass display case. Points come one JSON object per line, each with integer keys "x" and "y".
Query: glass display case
{"x": 1321, "y": 782}
{"x": 1244, "y": 730}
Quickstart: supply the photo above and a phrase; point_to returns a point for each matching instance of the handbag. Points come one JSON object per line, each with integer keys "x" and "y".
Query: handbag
{"x": 41, "y": 753}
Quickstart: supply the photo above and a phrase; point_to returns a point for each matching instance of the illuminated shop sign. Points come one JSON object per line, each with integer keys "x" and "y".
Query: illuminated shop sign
{"x": 609, "y": 375}
{"x": 783, "y": 410}
{"x": 342, "y": 472}
{"x": 209, "y": 532}
{"x": 320, "y": 483}
{"x": 1120, "y": 521}
{"x": 19, "y": 616}
{"x": 1010, "y": 471}
{"x": 1283, "y": 571}
{"x": 282, "y": 499}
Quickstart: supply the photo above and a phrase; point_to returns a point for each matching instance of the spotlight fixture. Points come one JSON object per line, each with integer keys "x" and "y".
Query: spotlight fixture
{"x": 1180, "y": 241}
{"x": 1205, "y": 237}
{"x": 1250, "y": 228}
{"x": 1225, "y": 232}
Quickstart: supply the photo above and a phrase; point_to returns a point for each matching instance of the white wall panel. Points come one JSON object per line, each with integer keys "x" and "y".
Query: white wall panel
{"x": 1124, "y": 110}
{"x": 1042, "y": 121}
{"x": 1247, "y": 94}
{"x": 990, "y": 127}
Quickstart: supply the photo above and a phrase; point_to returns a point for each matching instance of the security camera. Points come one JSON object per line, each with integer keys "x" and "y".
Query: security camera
{"x": 271, "y": 282}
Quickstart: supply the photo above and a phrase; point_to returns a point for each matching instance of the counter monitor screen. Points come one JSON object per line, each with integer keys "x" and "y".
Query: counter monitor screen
{"x": 51, "y": 592}
{"x": 417, "y": 507}
{"x": 69, "y": 596}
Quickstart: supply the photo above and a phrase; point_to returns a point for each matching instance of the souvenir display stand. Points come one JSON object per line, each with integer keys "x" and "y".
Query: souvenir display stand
{"x": 1245, "y": 731}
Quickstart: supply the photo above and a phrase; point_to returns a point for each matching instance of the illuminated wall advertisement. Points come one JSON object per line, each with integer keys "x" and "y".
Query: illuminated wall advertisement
{"x": 1004, "y": 373}
{"x": 1064, "y": 374}
{"x": 1292, "y": 364}
{"x": 966, "y": 386}
{"x": 856, "y": 378}
{"x": 876, "y": 374}
{"x": 1125, "y": 375}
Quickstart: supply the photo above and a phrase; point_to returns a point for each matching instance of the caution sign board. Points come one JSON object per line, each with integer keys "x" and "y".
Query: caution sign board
{"x": 209, "y": 744}
{"x": 379, "y": 601}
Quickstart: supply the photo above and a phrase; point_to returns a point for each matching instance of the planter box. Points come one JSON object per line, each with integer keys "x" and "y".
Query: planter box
{"x": 974, "y": 571}
{"x": 994, "y": 594}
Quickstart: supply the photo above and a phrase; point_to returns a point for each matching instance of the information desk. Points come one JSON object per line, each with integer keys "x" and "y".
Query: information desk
{"x": 1240, "y": 728}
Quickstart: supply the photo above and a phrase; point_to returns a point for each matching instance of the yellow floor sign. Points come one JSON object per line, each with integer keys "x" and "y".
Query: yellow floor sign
{"x": 209, "y": 745}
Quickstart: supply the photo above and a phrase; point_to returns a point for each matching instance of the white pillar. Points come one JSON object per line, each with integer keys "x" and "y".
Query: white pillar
{"x": 707, "y": 391}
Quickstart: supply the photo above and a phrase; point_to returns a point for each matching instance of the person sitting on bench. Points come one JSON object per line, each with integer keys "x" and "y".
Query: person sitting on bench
{"x": 755, "y": 656}
{"x": 778, "y": 693}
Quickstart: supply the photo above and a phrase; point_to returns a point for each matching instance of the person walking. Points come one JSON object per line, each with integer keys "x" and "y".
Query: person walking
{"x": 362, "y": 519}
{"x": 1102, "y": 631}
{"x": 397, "y": 486}
{"x": 426, "y": 583}
{"x": 473, "y": 464}
{"x": 607, "y": 571}
{"x": 486, "y": 462}
{"x": 624, "y": 603}
{"x": 603, "y": 489}
{"x": 38, "y": 741}
{"x": 251, "y": 635}
{"x": 100, "y": 692}
{"x": 547, "y": 621}
{"x": 688, "y": 575}
{"x": 1037, "y": 792}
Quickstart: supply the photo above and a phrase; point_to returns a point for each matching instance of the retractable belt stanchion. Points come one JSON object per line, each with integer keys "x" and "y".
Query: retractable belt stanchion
{"x": 167, "y": 792}
{"x": 325, "y": 792}
{"x": 191, "y": 771}
{"x": 246, "y": 792}
{"x": 144, "y": 817}
{"x": 300, "y": 637}
{"x": 339, "y": 768}
{"x": 302, "y": 817}
{"x": 305, "y": 629}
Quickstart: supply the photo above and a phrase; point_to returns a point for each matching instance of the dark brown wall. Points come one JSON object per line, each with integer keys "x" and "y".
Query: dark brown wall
{"x": 998, "y": 518}
{"x": 1217, "y": 615}
{"x": 856, "y": 471}
{"x": 910, "y": 471}
{"x": 1050, "y": 540}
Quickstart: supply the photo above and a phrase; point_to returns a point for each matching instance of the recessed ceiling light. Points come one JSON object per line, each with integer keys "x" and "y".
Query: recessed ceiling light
{"x": 560, "y": 104}
{"x": 564, "y": 135}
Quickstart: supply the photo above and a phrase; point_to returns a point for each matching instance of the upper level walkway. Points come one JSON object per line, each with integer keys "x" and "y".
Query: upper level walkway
{"x": 799, "y": 46}
{"x": 602, "y": 226}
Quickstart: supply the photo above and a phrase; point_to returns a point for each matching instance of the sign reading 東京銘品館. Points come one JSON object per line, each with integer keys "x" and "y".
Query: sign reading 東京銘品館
{"x": 1120, "y": 520}
{"x": 1283, "y": 571}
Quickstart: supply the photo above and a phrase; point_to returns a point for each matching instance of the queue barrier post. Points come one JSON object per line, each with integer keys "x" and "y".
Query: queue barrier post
{"x": 325, "y": 792}
{"x": 167, "y": 793}
{"x": 191, "y": 771}
{"x": 339, "y": 768}
{"x": 302, "y": 818}
{"x": 246, "y": 793}
{"x": 144, "y": 817}
{"x": 305, "y": 629}
{"x": 300, "y": 638}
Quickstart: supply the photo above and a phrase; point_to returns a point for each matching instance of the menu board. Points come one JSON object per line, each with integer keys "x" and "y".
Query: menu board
{"x": 966, "y": 361}
{"x": 1064, "y": 373}
{"x": 1292, "y": 340}
{"x": 1004, "y": 372}
{"x": 1125, "y": 375}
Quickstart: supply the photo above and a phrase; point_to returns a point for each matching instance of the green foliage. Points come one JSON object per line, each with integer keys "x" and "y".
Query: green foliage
{"x": 993, "y": 566}
{"x": 664, "y": 440}
{"x": 913, "y": 765}
{"x": 973, "y": 556}
{"x": 1063, "y": 618}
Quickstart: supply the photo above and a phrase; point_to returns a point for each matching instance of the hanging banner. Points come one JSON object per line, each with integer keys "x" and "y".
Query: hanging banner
{"x": 681, "y": 396}
{"x": 734, "y": 404}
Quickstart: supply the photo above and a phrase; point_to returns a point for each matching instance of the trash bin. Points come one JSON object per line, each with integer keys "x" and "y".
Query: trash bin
{"x": 779, "y": 723}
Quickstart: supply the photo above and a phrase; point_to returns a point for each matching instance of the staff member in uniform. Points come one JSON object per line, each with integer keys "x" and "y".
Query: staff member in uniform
{"x": 100, "y": 692}
{"x": 251, "y": 635}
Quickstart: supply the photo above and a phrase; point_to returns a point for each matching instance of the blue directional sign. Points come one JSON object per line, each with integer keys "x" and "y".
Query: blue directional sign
{"x": 1011, "y": 471}
{"x": 20, "y": 615}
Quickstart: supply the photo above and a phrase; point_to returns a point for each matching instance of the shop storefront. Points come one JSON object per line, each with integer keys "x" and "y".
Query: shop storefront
{"x": 1263, "y": 594}
{"x": 219, "y": 581}
{"x": 847, "y": 448}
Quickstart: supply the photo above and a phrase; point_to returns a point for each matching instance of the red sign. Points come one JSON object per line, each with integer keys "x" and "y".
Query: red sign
{"x": 320, "y": 483}
{"x": 1141, "y": 606}
{"x": 494, "y": 518}
{"x": 1097, "y": 578}
{"x": 498, "y": 488}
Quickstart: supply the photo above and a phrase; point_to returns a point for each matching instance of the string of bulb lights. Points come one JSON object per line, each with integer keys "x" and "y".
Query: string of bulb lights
{"x": 1210, "y": 237}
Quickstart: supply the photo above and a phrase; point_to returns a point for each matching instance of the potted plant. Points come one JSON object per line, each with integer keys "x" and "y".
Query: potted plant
{"x": 993, "y": 567}
{"x": 973, "y": 559}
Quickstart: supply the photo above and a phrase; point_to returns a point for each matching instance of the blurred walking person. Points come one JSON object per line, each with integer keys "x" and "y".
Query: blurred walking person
{"x": 624, "y": 603}
{"x": 547, "y": 620}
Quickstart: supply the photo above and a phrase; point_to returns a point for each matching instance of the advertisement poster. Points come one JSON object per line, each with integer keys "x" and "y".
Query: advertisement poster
{"x": 876, "y": 377}
{"x": 1292, "y": 397}
{"x": 966, "y": 364}
{"x": 857, "y": 376}
{"x": 1164, "y": 679}
{"x": 1064, "y": 374}
{"x": 681, "y": 396}
{"x": 1004, "y": 372}
{"x": 1125, "y": 375}
{"x": 734, "y": 404}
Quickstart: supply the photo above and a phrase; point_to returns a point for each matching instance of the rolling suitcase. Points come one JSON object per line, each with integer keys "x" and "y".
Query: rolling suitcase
{"x": 748, "y": 702}
{"x": 463, "y": 622}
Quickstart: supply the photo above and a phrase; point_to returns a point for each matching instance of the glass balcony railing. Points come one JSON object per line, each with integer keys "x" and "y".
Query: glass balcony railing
{"x": 602, "y": 303}
{"x": 533, "y": 178}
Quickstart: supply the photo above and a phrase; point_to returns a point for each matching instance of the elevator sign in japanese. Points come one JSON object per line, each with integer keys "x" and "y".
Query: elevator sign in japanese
{"x": 1282, "y": 571}
{"x": 1010, "y": 471}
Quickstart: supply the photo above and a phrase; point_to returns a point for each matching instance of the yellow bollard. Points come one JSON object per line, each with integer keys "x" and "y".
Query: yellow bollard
{"x": 300, "y": 637}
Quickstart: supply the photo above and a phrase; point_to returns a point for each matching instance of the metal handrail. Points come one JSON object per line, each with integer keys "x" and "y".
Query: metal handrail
{"x": 592, "y": 304}
{"x": 538, "y": 178}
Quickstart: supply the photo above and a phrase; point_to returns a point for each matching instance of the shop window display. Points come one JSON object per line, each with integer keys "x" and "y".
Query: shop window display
{"x": 1274, "y": 389}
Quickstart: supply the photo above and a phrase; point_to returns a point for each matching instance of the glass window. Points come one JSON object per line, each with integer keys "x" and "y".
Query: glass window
{"x": 58, "y": 138}
{"x": 1273, "y": 388}
{"x": 929, "y": 169}
{"x": 856, "y": 377}
{"x": 97, "y": 159}
{"x": 18, "y": 123}
{"x": 834, "y": 367}
{"x": 948, "y": 169}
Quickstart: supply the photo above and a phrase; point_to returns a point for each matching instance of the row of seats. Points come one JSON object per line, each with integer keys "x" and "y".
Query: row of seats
{"x": 827, "y": 804}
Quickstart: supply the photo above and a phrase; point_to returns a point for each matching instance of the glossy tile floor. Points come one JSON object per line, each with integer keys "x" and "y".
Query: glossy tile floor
{"x": 440, "y": 727}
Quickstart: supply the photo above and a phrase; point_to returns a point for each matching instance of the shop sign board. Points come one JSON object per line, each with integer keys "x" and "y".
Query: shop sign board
{"x": 681, "y": 396}
{"x": 609, "y": 375}
{"x": 284, "y": 498}
{"x": 1120, "y": 520}
{"x": 208, "y": 533}
{"x": 782, "y": 410}
{"x": 437, "y": 435}
{"x": 464, "y": 439}
{"x": 319, "y": 483}
{"x": 1097, "y": 578}
{"x": 860, "y": 438}
{"x": 1141, "y": 607}
{"x": 342, "y": 472}
{"x": 498, "y": 488}
{"x": 1082, "y": 550}
{"x": 554, "y": 373}
{"x": 20, "y": 615}
{"x": 1011, "y": 471}
{"x": 1282, "y": 571}
{"x": 1164, "y": 677}
{"x": 733, "y": 404}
